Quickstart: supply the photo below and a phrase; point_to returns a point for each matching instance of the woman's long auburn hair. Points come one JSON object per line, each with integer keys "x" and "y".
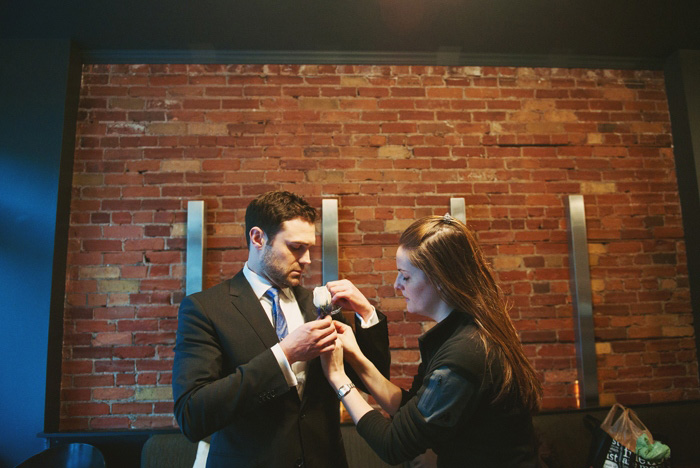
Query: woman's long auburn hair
{"x": 449, "y": 255}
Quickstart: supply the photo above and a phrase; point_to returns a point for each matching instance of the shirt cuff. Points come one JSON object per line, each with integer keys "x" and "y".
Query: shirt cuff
{"x": 371, "y": 321}
{"x": 285, "y": 367}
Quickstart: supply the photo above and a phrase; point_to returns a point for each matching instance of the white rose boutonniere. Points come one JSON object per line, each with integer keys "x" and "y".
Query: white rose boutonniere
{"x": 322, "y": 301}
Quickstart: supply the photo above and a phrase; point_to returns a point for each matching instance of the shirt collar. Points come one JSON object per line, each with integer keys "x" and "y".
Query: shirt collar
{"x": 260, "y": 284}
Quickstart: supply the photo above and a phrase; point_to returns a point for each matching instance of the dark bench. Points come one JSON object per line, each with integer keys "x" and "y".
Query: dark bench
{"x": 564, "y": 438}
{"x": 173, "y": 450}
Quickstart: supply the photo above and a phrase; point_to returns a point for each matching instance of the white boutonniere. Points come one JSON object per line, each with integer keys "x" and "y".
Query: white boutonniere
{"x": 323, "y": 303}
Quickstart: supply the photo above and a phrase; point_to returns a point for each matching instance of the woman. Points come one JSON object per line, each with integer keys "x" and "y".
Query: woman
{"x": 475, "y": 392}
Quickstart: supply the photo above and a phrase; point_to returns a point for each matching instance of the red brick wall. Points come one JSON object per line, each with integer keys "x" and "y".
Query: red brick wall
{"x": 392, "y": 144}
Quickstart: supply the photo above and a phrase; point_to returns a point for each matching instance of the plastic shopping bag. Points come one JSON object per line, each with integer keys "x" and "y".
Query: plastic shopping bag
{"x": 624, "y": 426}
{"x": 621, "y": 439}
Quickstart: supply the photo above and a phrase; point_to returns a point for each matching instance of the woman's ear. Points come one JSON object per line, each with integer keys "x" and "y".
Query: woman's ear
{"x": 258, "y": 238}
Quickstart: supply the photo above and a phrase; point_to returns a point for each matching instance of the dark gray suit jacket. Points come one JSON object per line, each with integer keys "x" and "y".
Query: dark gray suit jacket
{"x": 226, "y": 382}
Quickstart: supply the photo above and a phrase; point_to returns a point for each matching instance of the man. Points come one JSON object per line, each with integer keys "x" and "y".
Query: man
{"x": 246, "y": 356}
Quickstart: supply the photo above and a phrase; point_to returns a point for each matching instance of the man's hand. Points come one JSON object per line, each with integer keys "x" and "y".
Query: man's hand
{"x": 309, "y": 340}
{"x": 346, "y": 295}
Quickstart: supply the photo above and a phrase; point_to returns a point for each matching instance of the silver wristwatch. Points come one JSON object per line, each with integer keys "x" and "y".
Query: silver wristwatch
{"x": 345, "y": 389}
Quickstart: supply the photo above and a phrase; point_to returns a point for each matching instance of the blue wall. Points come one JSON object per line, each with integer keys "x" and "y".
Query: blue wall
{"x": 34, "y": 79}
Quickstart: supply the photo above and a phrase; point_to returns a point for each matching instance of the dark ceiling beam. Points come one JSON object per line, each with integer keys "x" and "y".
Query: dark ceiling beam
{"x": 447, "y": 56}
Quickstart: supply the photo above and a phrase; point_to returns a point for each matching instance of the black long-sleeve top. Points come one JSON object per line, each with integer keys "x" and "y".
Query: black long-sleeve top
{"x": 449, "y": 407}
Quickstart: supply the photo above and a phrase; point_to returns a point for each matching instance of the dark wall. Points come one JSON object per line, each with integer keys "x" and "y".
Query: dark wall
{"x": 683, "y": 90}
{"x": 37, "y": 79}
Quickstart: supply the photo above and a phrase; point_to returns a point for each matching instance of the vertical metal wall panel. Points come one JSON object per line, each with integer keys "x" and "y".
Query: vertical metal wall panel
{"x": 583, "y": 301}
{"x": 196, "y": 246}
{"x": 329, "y": 235}
{"x": 458, "y": 209}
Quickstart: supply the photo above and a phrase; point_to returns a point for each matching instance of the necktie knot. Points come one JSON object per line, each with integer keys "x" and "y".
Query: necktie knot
{"x": 273, "y": 294}
{"x": 278, "y": 320}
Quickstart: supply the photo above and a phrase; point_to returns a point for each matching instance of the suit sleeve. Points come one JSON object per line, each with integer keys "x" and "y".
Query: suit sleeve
{"x": 206, "y": 397}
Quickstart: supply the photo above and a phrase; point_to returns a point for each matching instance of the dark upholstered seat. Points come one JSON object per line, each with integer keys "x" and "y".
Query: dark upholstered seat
{"x": 66, "y": 456}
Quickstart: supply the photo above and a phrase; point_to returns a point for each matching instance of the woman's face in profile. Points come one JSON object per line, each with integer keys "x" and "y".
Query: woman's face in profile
{"x": 421, "y": 297}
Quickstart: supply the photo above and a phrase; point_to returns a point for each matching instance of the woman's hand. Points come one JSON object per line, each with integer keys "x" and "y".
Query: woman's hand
{"x": 332, "y": 364}
{"x": 351, "y": 349}
{"x": 346, "y": 295}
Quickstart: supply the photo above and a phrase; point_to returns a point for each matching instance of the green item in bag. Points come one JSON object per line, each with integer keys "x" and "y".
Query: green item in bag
{"x": 652, "y": 452}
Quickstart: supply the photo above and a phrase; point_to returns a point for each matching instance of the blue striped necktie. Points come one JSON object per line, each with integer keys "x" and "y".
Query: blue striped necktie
{"x": 277, "y": 315}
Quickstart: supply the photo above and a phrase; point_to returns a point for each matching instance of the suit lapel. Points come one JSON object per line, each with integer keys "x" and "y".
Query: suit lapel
{"x": 244, "y": 300}
{"x": 306, "y": 303}
{"x": 315, "y": 379}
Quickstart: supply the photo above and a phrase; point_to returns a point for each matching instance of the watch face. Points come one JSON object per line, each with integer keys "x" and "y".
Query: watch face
{"x": 345, "y": 389}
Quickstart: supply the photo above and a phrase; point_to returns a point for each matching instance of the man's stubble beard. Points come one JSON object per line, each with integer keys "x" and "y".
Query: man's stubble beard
{"x": 275, "y": 273}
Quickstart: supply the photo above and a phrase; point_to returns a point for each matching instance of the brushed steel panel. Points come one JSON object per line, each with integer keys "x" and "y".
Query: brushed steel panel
{"x": 458, "y": 209}
{"x": 196, "y": 246}
{"x": 580, "y": 283}
{"x": 329, "y": 235}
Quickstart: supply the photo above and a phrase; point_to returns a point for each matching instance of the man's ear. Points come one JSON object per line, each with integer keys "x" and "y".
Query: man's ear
{"x": 258, "y": 238}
